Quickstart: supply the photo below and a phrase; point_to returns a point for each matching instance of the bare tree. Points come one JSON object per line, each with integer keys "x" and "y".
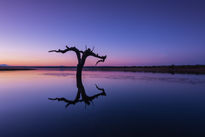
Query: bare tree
{"x": 81, "y": 94}
{"x": 81, "y": 56}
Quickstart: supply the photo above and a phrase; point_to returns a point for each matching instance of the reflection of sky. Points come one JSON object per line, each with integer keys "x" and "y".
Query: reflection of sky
{"x": 129, "y": 32}
{"x": 134, "y": 103}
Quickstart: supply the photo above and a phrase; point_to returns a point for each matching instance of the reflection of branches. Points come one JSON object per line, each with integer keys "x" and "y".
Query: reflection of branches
{"x": 84, "y": 98}
{"x": 102, "y": 89}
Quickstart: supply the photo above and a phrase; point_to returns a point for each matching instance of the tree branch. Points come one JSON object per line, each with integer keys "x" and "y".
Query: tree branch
{"x": 85, "y": 54}
{"x": 90, "y": 52}
{"x": 77, "y": 51}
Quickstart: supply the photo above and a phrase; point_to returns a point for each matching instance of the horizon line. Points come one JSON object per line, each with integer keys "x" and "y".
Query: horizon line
{"x": 4, "y": 65}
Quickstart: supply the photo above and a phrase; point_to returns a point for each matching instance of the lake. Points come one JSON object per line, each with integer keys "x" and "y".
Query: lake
{"x": 41, "y": 103}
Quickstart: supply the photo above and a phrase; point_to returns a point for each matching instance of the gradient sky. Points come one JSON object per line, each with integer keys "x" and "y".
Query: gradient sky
{"x": 129, "y": 32}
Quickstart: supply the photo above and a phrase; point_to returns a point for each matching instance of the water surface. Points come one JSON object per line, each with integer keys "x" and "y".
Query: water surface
{"x": 135, "y": 104}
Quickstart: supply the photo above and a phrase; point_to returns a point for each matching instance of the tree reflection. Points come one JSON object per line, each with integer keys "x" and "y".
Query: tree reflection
{"x": 81, "y": 96}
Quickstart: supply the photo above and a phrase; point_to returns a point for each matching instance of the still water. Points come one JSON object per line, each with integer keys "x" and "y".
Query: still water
{"x": 125, "y": 104}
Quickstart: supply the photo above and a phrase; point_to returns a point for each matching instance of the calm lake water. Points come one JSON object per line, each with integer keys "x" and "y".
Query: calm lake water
{"x": 134, "y": 104}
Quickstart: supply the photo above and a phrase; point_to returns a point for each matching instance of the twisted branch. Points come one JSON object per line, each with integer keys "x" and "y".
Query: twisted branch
{"x": 85, "y": 54}
{"x": 90, "y": 52}
{"x": 77, "y": 51}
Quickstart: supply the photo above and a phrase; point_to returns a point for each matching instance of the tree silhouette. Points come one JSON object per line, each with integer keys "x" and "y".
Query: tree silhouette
{"x": 81, "y": 94}
{"x": 81, "y": 56}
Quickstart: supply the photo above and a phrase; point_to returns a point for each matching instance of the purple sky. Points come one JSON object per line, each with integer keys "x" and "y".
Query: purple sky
{"x": 137, "y": 32}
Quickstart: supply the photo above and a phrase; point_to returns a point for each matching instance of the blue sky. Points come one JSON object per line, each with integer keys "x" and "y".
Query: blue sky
{"x": 135, "y": 32}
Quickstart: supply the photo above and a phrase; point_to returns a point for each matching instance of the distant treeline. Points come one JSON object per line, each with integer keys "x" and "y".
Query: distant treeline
{"x": 184, "y": 69}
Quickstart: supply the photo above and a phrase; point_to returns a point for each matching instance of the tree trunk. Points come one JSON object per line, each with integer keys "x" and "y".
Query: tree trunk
{"x": 79, "y": 76}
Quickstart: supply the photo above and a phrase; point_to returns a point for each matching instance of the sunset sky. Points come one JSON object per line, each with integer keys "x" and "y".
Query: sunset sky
{"x": 129, "y": 32}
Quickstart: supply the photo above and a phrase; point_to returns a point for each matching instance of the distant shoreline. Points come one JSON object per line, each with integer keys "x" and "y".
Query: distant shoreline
{"x": 178, "y": 69}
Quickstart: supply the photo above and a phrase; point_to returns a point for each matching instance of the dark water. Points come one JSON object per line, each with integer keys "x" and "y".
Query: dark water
{"x": 136, "y": 104}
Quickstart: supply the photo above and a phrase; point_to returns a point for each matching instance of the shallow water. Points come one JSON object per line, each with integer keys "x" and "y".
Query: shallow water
{"x": 135, "y": 104}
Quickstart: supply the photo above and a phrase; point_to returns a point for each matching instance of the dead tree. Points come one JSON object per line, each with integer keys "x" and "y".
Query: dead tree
{"x": 81, "y": 56}
{"x": 81, "y": 94}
